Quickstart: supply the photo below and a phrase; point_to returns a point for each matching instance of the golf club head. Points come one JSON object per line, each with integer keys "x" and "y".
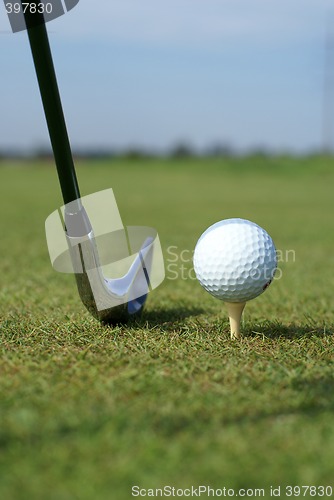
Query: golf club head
{"x": 132, "y": 256}
{"x": 110, "y": 300}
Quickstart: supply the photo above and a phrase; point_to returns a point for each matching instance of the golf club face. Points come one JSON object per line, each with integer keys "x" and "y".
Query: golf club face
{"x": 130, "y": 309}
{"x": 109, "y": 300}
{"x": 115, "y": 267}
{"x": 114, "y": 315}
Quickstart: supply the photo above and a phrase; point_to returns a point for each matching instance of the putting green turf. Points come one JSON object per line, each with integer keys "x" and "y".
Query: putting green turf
{"x": 87, "y": 411}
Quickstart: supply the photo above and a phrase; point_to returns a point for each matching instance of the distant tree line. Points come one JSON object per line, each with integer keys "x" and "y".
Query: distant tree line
{"x": 181, "y": 150}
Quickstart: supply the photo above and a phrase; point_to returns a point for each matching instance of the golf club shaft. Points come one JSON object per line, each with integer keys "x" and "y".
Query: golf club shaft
{"x": 54, "y": 114}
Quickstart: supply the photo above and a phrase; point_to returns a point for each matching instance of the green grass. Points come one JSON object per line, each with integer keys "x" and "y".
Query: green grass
{"x": 87, "y": 411}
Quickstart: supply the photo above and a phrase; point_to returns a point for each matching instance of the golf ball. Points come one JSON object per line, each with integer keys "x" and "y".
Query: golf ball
{"x": 235, "y": 260}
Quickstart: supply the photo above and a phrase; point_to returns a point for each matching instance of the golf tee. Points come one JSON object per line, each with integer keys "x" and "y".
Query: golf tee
{"x": 235, "y": 310}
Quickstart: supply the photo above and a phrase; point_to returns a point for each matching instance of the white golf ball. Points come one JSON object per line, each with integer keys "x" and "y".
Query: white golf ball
{"x": 235, "y": 260}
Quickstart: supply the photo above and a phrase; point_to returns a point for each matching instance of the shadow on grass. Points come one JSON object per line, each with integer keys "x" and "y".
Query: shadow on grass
{"x": 322, "y": 388}
{"x": 318, "y": 392}
{"x": 167, "y": 318}
{"x": 275, "y": 330}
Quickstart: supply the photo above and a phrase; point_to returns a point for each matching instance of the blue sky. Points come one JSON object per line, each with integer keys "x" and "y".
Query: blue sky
{"x": 151, "y": 73}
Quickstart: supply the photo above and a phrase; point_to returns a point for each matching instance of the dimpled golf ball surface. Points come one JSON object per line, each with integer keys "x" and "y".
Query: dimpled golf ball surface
{"x": 235, "y": 260}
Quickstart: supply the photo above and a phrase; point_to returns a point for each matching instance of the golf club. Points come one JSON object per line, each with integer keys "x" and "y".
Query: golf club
{"x": 122, "y": 297}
